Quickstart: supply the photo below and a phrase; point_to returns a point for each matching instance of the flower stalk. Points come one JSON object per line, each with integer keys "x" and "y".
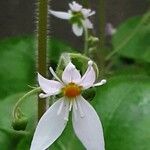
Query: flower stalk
{"x": 101, "y": 13}
{"x": 42, "y": 46}
{"x": 21, "y": 100}
{"x": 86, "y": 52}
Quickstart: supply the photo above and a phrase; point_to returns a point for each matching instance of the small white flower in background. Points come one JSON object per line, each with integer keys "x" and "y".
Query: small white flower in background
{"x": 86, "y": 122}
{"x": 110, "y": 30}
{"x": 78, "y": 16}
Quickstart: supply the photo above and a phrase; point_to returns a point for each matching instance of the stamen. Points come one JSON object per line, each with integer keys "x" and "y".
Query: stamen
{"x": 70, "y": 106}
{"x": 71, "y": 90}
{"x": 80, "y": 109}
{"x": 74, "y": 112}
{"x": 60, "y": 107}
{"x": 75, "y": 104}
{"x": 55, "y": 75}
{"x": 66, "y": 111}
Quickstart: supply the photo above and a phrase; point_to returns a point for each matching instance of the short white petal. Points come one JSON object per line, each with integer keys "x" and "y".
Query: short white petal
{"x": 87, "y": 24}
{"x": 77, "y": 30}
{"x": 60, "y": 14}
{"x": 100, "y": 83}
{"x": 55, "y": 75}
{"x": 49, "y": 86}
{"x": 87, "y": 12}
{"x": 89, "y": 77}
{"x": 74, "y": 6}
{"x": 88, "y": 128}
{"x": 49, "y": 128}
{"x": 71, "y": 74}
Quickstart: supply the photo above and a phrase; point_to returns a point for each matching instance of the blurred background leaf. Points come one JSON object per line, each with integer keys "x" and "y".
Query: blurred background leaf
{"x": 17, "y": 63}
{"x": 123, "y": 105}
{"x": 132, "y": 39}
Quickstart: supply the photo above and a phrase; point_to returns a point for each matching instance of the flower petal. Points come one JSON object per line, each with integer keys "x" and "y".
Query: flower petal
{"x": 50, "y": 127}
{"x": 88, "y": 128}
{"x": 87, "y": 24}
{"x": 55, "y": 75}
{"x": 87, "y": 12}
{"x": 49, "y": 86}
{"x": 77, "y": 30}
{"x": 100, "y": 83}
{"x": 71, "y": 74}
{"x": 74, "y": 6}
{"x": 60, "y": 14}
{"x": 89, "y": 77}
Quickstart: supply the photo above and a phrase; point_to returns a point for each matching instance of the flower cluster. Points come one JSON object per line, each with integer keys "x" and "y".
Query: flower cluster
{"x": 78, "y": 16}
{"x": 86, "y": 122}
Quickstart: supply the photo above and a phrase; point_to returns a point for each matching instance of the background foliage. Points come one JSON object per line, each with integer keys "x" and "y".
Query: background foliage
{"x": 123, "y": 104}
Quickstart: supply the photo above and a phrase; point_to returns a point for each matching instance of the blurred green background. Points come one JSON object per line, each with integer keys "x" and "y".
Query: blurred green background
{"x": 123, "y": 104}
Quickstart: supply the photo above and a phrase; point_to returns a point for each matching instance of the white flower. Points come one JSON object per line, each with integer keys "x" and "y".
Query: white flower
{"x": 86, "y": 123}
{"x": 78, "y": 16}
{"x": 110, "y": 30}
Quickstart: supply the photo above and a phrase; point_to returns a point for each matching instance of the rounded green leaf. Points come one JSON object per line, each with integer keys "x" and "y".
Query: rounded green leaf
{"x": 123, "y": 105}
{"x": 18, "y": 62}
{"x": 132, "y": 38}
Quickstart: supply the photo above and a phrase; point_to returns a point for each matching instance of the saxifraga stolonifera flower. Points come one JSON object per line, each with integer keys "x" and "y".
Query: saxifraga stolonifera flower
{"x": 78, "y": 16}
{"x": 86, "y": 123}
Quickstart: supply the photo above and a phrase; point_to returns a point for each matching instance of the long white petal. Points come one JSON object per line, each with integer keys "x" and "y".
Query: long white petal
{"x": 50, "y": 127}
{"x": 88, "y": 128}
{"x": 49, "y": 86}
{"x": 71, "y": 74}
{"x": 77, "y": 30}
{"x": 60, "y": 14}
{"x": 89, "y": 77}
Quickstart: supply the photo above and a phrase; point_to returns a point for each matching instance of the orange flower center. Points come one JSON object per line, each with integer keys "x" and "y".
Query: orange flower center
{"x": 71, "y": 90}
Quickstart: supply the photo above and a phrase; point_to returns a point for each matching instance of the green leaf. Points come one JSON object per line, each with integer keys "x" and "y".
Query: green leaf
{"x": 21, "y": 139}
{"x": 17, "y": 62}
{"x": 133, "y": 37}
{"x": 5, "y": 140}
{"x": 17, "y": 65}
{"x": 124, "y": 107}
{"x": 16, "y": 137}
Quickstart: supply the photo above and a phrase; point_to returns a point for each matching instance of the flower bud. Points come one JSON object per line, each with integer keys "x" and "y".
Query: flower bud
{"x": 20, "y": 123}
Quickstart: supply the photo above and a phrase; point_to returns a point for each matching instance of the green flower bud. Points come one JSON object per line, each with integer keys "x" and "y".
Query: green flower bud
{"x": 20, "y": 121}
{"x": 20, "y": 124}
{"x": 79, "y": 60}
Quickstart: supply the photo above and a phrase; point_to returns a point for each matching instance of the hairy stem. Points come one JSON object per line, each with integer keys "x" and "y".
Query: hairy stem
{"x": 101, "y": 13}
{"x": 42, "y": 47}
{"x": 100, "y": 51}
